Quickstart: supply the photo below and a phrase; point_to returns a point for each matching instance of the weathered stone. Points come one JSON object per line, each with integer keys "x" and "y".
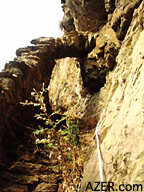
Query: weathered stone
{"x": 95, "y": 71}
{"x": 122, "y": 17}
{"x": 87, "y": 15}
{"x": 109, "y": 5}
{"x": 121, "y": 123}
{"x": 46, "y": 187}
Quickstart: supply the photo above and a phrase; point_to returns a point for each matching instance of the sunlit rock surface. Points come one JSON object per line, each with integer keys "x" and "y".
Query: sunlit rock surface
{"x": 94, "y": 72}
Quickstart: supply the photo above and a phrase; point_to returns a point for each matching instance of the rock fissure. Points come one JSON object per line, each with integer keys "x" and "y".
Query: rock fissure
{"x": 97, "y": 64}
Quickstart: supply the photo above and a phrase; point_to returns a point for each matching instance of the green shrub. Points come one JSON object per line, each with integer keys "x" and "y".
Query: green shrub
{"x": 58, "y": 139}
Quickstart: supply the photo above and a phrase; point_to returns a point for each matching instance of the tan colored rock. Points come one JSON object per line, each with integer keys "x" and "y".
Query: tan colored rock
{"x": 95, "y": 72}
{"x": 66, "y": 88}
{"x": 87, "y": 15}
{"x": 121, "y": 127}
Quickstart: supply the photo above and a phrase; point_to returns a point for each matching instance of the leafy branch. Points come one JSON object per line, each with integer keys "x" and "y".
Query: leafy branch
{"x": 58, "y": 138}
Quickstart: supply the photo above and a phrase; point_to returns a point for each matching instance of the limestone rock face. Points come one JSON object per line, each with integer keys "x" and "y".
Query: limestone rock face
{"x": 68, "y": 92}
{"x": 95, "y": 72}
{"x": 122, "y": 121}
{"x": 110, "y": 83}
{"x": 29, "y": 70}
{"x": 87, "y": 15}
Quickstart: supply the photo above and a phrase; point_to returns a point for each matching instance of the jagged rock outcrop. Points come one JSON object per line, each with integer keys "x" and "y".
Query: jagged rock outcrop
{"x": 118, "y": 49}
{"x": 30, "y": 69}
{"x": 121, "y": 123}
{"x": 95, "y": 73}
{"x": 84, "y": 15}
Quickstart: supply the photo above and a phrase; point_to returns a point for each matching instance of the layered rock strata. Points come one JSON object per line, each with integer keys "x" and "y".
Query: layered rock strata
{"x": 94, "y": 72}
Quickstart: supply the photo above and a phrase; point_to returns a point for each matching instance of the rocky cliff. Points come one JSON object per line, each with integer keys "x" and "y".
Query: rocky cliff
{"x": 94, "y": 73}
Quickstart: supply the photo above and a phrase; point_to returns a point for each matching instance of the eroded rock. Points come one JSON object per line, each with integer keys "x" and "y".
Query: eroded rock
{"x": 121, "y": 126}
{"x": 95, "y": 72}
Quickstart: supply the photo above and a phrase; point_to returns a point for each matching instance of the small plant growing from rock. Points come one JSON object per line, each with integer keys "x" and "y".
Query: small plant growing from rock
{"x": 58, "y": 139}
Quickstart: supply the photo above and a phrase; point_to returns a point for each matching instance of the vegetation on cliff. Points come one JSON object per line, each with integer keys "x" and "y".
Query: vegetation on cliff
{"x": 97, "y": 64}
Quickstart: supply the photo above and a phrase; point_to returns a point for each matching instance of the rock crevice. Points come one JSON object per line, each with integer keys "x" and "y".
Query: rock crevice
{"x": 97, "y": 64}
